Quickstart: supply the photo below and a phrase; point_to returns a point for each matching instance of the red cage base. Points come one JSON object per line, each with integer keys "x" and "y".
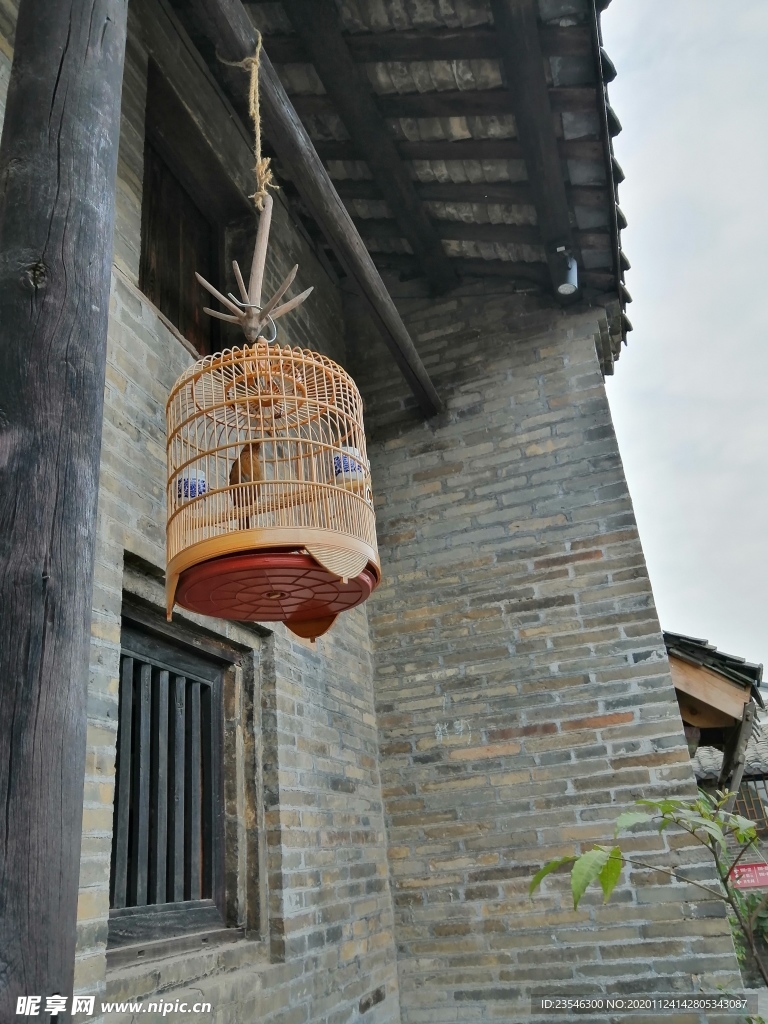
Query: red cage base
{"x": 273, "y": 586}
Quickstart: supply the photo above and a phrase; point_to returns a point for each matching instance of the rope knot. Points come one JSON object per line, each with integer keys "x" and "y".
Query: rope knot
{"x": 262, "y": 170}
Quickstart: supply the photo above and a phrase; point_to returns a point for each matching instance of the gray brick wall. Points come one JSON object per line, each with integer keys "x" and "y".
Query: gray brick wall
{"x": 522, "y": 686}
{"x": 329, "y": 935}
{"x": 326, "y": 944}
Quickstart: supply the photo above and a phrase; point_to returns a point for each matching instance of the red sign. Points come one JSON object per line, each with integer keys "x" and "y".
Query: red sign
{"x": 750, "y": 876}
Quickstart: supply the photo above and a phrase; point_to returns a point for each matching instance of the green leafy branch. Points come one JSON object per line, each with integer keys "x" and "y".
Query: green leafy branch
{"x": 709, "y": 823}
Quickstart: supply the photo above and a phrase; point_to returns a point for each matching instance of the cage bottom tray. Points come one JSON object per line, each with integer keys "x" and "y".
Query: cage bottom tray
{"x": 272, "y": 586}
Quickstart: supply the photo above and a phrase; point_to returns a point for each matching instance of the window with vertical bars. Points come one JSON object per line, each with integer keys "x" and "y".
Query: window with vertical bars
{"x": 167, "y": 845}
{"x": 752, "y": 802}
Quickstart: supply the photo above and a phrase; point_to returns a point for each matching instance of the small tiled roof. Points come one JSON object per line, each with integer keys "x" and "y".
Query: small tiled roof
{"x": 706, "y": 655}
{"x": 707, "y": 761}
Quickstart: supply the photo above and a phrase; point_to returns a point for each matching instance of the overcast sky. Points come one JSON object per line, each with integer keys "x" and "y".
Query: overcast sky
{"x": 689, "y": 394}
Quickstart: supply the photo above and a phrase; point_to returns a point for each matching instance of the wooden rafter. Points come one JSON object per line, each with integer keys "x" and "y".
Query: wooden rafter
{"x": 469, "y": 231}
{"x": 511, "y": 193}
{"x": 479, "y": 43}
{"x": 517, "y": 25}
{"x": 466, "y": 149}
{"x": 454, "y": 230}
{"x": 228, "y": 27}
{"x": 406, "y": 266}
{"x": 350, "y": 95}
{"x": 534, "y": 272}
{"x": 451, "y": 103}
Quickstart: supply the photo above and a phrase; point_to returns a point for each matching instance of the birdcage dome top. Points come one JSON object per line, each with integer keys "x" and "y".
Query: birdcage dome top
{"x": 260, "y": 349}
{"x": 280, "y": 388}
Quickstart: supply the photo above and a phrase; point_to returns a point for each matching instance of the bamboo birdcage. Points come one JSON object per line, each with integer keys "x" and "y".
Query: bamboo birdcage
{"x": 270, "y": 510}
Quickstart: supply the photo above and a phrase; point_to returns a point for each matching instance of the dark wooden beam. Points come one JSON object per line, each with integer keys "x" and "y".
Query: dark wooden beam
{"x": 516, "y": 22}
{"x": 446, "y": 192}
{"x": 58, "y": 162}
{"x": 467, "y": 149}
{"x": 463, "y": 231}
{"x": 455, "y": 230}
{"x": 451, "y": 103}
{"x": 406, "y": 265}
{"x": 479, "y": 43}
{"x": 350, "y": 94}
{"x": 735, "y": 753}
{"x": 506, "y": 192}
{"x": 228, "y": 27}
{"x": 532, "y": 273}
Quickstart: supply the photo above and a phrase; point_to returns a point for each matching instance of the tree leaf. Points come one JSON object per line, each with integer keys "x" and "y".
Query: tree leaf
{"x": 630, "y": 818}
{"x": 710, "y": 827}
{"x": 586, "y": 869}
{"x": 548, "y": 868}
{"x": 736, "y": 821}
{"x": 743, "y": 829}
{"x": 696, "y": 822}
{"x": 611, "y": 872}
{"x": 666, "y": 806}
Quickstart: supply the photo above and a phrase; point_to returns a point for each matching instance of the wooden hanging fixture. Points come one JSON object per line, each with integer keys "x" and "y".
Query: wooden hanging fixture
{"x": 248, "y": 311}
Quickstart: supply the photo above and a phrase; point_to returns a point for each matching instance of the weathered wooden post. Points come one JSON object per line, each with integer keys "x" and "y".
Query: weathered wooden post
{"x": 58, "y": 161}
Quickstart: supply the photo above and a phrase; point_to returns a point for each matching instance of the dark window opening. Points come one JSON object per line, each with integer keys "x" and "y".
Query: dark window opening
{"x": 176, "y": 241}
{"x": 188, "y": 202}
{"x": 167, "y": 845}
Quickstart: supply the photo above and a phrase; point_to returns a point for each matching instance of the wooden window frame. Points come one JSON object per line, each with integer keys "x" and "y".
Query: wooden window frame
{"x": 206, "y": 665}
{"x": 180, "y": 304}
{"x": 173, "y": 139}
{"x": 745, "y": 802}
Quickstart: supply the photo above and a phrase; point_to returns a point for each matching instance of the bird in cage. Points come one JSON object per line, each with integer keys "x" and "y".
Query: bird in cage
{"x": 246, "y": 469}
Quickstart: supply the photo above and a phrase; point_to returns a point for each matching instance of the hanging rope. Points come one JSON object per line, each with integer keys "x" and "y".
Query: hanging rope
{"x": 262, "y": 170}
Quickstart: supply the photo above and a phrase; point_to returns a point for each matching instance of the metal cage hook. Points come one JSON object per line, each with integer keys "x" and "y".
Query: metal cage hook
{"x": 253, "y": 305}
